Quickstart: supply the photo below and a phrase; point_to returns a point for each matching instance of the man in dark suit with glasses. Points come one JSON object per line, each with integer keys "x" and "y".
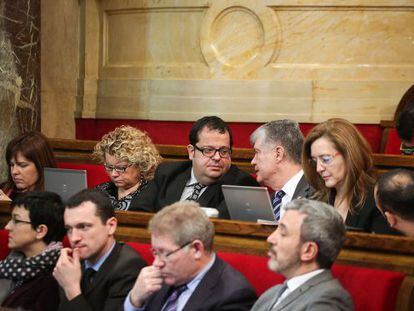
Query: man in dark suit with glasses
{"x": 199, "y": 179}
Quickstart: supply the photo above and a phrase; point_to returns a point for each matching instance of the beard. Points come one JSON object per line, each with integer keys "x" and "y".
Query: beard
{"x": 285, "y": 265}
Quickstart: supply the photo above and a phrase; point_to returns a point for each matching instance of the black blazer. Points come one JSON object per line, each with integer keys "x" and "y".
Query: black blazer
{"x": 111, "y": 284}
{"x": 222, "y": 288}
{"x": 169, "y": 183}
{"x": 303, "y": 189}
{"x": 38, "y": 294}
{"x": 368, "y": 219}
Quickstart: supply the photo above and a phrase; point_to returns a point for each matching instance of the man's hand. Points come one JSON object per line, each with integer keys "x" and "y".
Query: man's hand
{"x": 68, "y": 272}
{"x": 148, "y": 282}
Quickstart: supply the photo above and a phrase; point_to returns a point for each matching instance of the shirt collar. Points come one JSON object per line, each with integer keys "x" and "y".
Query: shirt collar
{"x": 193, "y": 180}
{"x": 297, "y": 281}
{"x": 101, "y": 260}
{"x": 290, "y": 187}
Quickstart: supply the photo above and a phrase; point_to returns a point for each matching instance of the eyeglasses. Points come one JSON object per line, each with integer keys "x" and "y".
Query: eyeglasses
{"x": 119, "y": 169}
{"x": 325, "y": 159}
{"x": 164, "y": 256}
{"x": 211, "y": 152}
{"x": 406, "y": 150}
{"x": 15, "y": 221}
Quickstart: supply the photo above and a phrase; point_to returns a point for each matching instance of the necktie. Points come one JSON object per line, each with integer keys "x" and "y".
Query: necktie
{"x": 172, "y": 301}
{"x": 277, "y": 203}
{"x": 87, "y": 279}
{"x": 196, "y": 192}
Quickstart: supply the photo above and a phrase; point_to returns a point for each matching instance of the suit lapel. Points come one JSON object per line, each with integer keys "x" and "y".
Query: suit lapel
{"x": 103, "y": 270}
{"x": 177, "y": 187}
{"x": 159, "y": 299}
{"x": 301, "y": 290}
{"x": 302, "y": 189}
{"x": 206, "y": 286}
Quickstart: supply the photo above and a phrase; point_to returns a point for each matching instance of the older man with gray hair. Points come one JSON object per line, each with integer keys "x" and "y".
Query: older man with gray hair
{"x": 277, "y": 162}
{"x": 186, "y": 273}
{"x": 303, "y": 249}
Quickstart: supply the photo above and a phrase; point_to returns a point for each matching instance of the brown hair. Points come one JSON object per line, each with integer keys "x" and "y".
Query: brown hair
{"x": 35, "y": 147}
{"x": 357, "y": 155}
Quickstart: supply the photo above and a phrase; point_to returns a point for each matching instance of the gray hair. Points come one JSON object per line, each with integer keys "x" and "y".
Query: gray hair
{"x": 184, "y": 222}
{"x": 322, "y": 225}
{"x": 284, "y": 132}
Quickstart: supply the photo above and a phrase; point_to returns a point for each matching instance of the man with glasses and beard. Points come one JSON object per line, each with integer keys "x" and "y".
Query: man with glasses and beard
{"x": 186, "y": 273}
{"x": 199, "y": 179}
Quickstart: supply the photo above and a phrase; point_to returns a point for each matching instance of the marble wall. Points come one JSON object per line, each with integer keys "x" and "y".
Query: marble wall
{"x": 19, "y": 71}
{"x": 245, "y": 60}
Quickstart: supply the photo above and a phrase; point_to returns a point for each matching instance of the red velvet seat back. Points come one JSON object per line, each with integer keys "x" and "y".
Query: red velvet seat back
{"x": 144, "y": 250}
{"x": 254, "y": 268}
{"x": 95, "y": 173}
{"x": 4, "y": 242}
{"x": 371, "y": 289}
{"x": 393, "y": 143}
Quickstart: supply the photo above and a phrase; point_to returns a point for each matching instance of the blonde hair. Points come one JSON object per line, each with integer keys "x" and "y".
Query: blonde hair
{"x": 130, "y": 144}
{"x": 184, "y": 222}
{"x": 357, "y": 156}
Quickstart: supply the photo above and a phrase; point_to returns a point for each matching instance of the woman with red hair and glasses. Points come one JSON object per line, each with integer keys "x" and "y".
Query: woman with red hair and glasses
{"x": 337, "y": 162}
{"x": 26, "y": 156}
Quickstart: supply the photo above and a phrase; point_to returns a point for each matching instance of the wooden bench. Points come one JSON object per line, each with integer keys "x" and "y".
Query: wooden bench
{"x": 80, "y": 151}
{"x": 360, "y": 249}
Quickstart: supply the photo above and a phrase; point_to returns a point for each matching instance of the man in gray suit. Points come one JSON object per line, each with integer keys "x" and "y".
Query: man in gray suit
{"x": 277, "y": 162}
{"x": 303, "y": 248}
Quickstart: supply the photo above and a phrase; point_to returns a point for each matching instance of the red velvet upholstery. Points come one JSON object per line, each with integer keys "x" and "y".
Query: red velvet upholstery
{"x": 371, "y": 289}
{"x": 4, "y": 242}
{"x": 393, "y": 143}
{"x": 144, "y": 250}
{"x": 254, "y": 268}
{"x": 178, "y": 130}
{"x": 95, "y": 173}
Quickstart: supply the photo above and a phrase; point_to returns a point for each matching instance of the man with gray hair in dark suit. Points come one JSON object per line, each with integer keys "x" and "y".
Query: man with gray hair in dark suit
{"x": 303, "y": 249}
{"x": 277, "y": 161}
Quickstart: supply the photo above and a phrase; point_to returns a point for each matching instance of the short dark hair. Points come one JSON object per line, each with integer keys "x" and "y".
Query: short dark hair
{"x": 104, "y": 209}
{"x": 404, "y": 115}
{"x": 405, "y": 124}
{"x": 212, "y": 123}
{"x": 45, "y": 208}
{"x": 395, "y": 192}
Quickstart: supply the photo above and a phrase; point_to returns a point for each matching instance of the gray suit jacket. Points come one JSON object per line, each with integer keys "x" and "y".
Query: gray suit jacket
{"x": 320, "y": 293}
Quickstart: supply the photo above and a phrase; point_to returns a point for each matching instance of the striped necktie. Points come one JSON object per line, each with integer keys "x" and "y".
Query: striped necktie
{"x": 172, "y": 301}
{"x": 277, "y": 203}
{"x": 196, "y": 192}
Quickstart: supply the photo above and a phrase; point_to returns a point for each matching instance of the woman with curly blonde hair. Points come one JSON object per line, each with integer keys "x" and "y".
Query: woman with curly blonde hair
{"x": 130, "y": 159}
{"x": 337, "y": 162}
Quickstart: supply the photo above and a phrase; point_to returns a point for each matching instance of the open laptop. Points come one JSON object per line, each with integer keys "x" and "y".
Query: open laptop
{"x": 249, "y": 203}
{"x": 64, "y": 182}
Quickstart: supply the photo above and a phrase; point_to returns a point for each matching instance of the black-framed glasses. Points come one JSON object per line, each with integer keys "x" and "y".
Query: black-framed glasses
{"x": 119, "y": 169}
{"x": 406, "y": 150}
{"x": 15, "y": 221}
{"x": 210, "y": 152}
{"x": 165, "y": 255}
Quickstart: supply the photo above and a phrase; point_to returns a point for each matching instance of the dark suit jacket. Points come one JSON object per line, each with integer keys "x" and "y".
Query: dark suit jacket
{"x": 170, "y": 180}
{"x": 38, "y": 294}
{"x": 303, "y": 189}
{"x": 222, "y": 288}
{"x": 368, "y": 219}
{"x": 320, "y": 293}
{"x": 111, "y": 283}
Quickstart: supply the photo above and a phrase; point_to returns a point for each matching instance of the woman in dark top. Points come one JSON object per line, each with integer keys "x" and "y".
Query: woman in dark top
{"x": 130, "y": 159}
{"x": 35, "y": 231}
{"x": 337, "y": 162}
{"x": 26, "y": 156}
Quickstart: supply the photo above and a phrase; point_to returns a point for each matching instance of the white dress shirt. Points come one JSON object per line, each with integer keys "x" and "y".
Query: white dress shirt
{"x": 289, "y": 188}
{"x": 189, "y": 187}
